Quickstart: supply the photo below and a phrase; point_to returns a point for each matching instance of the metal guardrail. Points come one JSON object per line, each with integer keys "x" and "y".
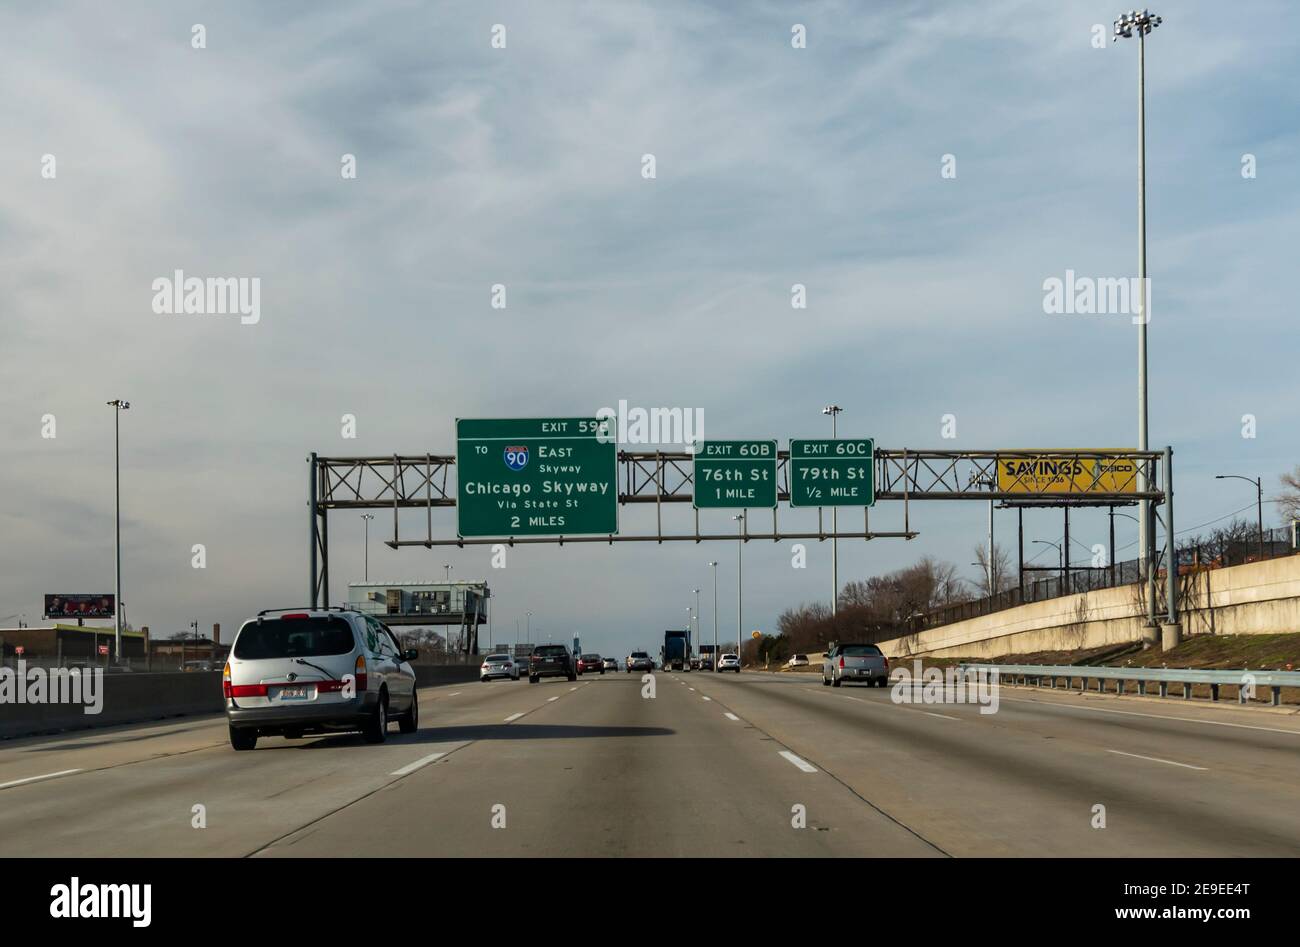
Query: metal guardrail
{"x": 1244, "y": 679}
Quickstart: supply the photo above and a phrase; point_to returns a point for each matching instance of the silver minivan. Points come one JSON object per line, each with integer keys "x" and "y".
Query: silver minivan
{"x": 293, "y": 672}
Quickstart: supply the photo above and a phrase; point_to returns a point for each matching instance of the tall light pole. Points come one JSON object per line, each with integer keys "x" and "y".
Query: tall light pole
{"x": 834, "y": 410}
{"x": 740, "y": 573}
{"x": 367, "y": 517}
{"x": 1259, "y": 498}
{"x": 446, "y": 573}
{"x": 529, "y": 627}
{"x": 118, "y": 406}
{"x": 697, "y": 618}
{"x": 714, "y": 566}
{"x": 1126, "y": 24}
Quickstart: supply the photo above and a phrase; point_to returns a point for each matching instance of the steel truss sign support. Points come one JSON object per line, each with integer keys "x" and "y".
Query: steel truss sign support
{"x": 1031, "y": 477}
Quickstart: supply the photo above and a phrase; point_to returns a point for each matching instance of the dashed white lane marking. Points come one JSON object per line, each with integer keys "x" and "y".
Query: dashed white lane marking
{"x": 1134, "y": 713}
{"x": 513, "y": 717}
{"x": 1156, "y": 759}
{"x": 801, "y": 763}
{"x": 572, "y": 688}
{"x": 455, "y": 694}
{"x": 692, "y": 690}
{"x": 730, "y": 716}
{"x": 706, "y": 698}
{"x": 549, "y": 699}
{"x": 37, "y": 779}
{"x": 412, "y": 767}
{"x": 944, "y": 716}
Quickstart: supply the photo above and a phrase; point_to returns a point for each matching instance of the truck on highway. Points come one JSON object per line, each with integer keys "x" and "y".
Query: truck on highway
{"x": 706, "y": 657}
{"x": 675, "y": 654}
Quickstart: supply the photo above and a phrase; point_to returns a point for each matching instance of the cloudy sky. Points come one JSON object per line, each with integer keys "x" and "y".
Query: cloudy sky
{"x": 522, "y": 166}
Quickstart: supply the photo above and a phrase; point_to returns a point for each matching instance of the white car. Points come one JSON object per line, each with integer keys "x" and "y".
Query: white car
{"x": 797, "y": 661}
{"x": 498, "y": 665}
{"x": 729, "y": 662}
{"x": 317, "y": 671}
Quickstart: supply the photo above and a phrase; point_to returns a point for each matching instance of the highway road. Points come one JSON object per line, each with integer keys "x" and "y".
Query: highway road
{"x": 713, "y": 765}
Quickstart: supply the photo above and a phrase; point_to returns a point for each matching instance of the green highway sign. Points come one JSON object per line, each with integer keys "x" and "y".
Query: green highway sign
{"x": 735, "y": 474}
{"x": 536, "y": 477}
{"x": 832, "y": 472}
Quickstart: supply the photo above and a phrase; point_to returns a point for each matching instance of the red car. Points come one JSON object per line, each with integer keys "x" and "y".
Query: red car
{"x": 591, "y": 662}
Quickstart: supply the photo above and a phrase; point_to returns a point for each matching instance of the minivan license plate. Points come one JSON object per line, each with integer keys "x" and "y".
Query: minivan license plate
{"x": 293, "y": 693}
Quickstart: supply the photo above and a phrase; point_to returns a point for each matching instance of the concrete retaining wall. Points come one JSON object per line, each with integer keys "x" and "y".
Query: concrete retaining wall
{"x": 1256, "y": 598}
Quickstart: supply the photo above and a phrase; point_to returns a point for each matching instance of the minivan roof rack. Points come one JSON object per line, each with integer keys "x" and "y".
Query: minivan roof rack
{"x": 303, "y": 608}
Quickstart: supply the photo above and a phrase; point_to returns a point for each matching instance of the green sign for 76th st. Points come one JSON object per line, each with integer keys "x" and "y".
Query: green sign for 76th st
{"x": 735, "y": 475}
{"x": 832, "y": 472}
{"x": 536, "y": 477}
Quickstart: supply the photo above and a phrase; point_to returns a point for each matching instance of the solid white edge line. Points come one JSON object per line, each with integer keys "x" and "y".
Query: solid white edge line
{"x": 929, "y": 713}
{"x": 1156, "y": 759}
{"x": 37, "y": 779}
{"x": 514, "y": 716}
{"x": 422, "y": 761}
{"x": 801, "y": 763}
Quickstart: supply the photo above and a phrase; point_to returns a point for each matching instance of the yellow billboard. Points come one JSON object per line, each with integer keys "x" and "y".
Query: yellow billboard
{"x": 1054, "y": 474}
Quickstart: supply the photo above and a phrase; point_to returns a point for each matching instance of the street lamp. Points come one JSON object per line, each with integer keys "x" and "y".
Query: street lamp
{"x": 739, "y": 518}
{"x": 529, "y": 628}
{"x": 367, "y": 517}
{"x": 697, "y": 618}
{"x": 714, "y": 566}
{"x": 834, "y": 411}
{"x": 118, "y": 406}
{"x": 446, "y": 573}
{"x": 1126, "y": 24}
{"x": 1259, "y": 499}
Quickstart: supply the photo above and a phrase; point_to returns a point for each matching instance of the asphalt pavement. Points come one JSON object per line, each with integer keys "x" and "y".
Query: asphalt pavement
{"x": 751, "y": 765}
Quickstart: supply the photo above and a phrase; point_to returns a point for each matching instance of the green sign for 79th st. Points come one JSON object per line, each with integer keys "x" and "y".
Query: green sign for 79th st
{"x": 735, "y": 475}
{"x": 832, "y": 472}
{"x": 536, "y": 477}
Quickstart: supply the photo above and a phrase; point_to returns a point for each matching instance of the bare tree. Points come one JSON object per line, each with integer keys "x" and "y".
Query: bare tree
{"x": 1001, "y": 577}
{"x": 1288, "y": 501}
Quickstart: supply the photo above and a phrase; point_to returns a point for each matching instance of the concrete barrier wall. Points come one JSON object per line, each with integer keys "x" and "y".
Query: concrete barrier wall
{"x": 1256, "y": 598}
{"x": 141, "y": 697}
{"x": 127, "y": 698}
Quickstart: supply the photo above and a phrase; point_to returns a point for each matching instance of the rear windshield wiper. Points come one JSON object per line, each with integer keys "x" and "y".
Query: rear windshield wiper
{"x": 316, "y": 666}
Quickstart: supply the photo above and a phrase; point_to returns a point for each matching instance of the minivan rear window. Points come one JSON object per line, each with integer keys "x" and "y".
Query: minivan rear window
{"x": 294, "y": 637}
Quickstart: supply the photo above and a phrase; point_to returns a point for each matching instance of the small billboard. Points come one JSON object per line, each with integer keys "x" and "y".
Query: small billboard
{"x": 96, "y": 605}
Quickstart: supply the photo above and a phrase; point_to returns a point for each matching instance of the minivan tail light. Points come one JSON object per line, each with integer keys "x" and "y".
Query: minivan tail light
{"x": 841, "y": 660}
{"x": 296, "y": 615}
{"x": 225, "y": 681}
{"x": 361, "y": 672}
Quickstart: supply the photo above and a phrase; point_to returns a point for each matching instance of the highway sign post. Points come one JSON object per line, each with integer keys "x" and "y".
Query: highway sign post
{"x": 826, "y": 472}
{"x": 735, "y": 475}
{"x": 536, "y": 477}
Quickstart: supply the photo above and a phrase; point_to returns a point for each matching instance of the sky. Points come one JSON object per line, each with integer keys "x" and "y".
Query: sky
{"x": 827, "y": 164}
